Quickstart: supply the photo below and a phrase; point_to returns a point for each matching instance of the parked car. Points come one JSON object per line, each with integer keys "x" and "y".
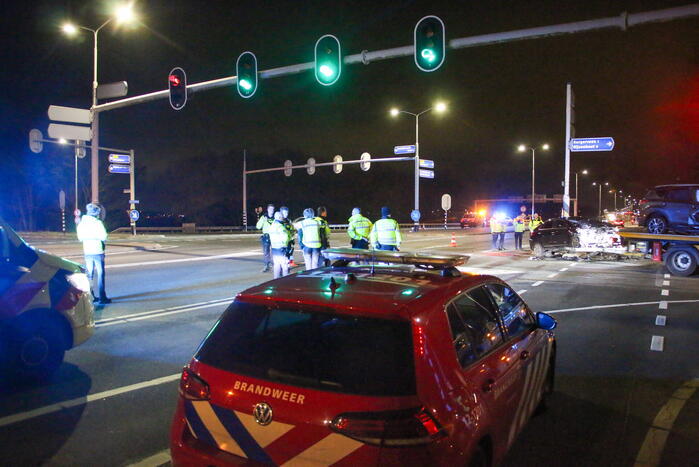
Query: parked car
{"x": 470, "y": 219}
{"x": 671, "y": 208}
{"x": 573, "y": 232}
{"x": 45, "y": 308}
{"x": 403, "y": 364}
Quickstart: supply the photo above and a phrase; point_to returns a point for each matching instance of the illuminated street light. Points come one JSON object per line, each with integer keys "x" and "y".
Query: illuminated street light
{"x": 599, "y": 202}
{"x": 522, "y": 148}
{"x": 124, "y": 13}
{"x": 69, "y": 29}
{"x": 62, "y": 141}
{"x": 437, "y": 107}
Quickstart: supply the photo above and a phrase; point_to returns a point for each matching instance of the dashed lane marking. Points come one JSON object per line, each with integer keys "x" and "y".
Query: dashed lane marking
{"x": 22, "y": 416}
{"x": 617, "y": 305}
{"x": 156, "y": 460}
{"x": 520, "y": 292}
{"x": 662, "y": 305}
{"x": 664, "y": 292}
{"x": 666, "y": 283}
{"x": 563, "y": 270}
{"x": 666, "y": 276}
{"x": 161, "y": 312}
{"x": 653, "y": 445}
{"x": 185, "y": 260}
{"x": 660, "y": 320}
{"x": 656, "y": 343}
{"x": 537, "y": 283}
{"x": 550, "y": 276}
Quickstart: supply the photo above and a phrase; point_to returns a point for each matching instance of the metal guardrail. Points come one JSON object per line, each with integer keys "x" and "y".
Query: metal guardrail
{"x": 239, "y": 228}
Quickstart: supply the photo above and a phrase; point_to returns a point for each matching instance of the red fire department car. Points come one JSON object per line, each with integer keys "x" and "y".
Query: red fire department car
{"x": 408, "y": 363}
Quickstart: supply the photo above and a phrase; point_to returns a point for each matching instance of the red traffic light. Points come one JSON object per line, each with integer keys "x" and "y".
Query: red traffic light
{"x": 177, "y": 85}
{"x": 175, "y": 80}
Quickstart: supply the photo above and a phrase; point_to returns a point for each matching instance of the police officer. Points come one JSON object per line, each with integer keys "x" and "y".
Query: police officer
{"x": 359, "y": 229}
{"x": 324, "y": 231}
{"x": 292, "y": 232}
{"x": 309, "y": 238}
{"x": 519, "y": 231}
{"x": 279, "y": 239}
{"x": 264, "y": 223}
{"x": 93, "y": 235}
{"x": 497, "y": 230}
{"x": 535, "y": 222}
{"x": 385, "y": 234}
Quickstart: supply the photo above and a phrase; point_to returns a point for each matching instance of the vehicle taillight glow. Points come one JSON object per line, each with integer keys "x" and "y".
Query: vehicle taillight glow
{"x": 193, "y": 387}
{"x": 643, "y": 201}
{"x": 390, "y": 428}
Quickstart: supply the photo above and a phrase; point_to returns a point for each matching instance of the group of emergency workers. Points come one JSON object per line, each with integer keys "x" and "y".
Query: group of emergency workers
{"x": 313, "y": 234}
{"x": 520, "y": 224}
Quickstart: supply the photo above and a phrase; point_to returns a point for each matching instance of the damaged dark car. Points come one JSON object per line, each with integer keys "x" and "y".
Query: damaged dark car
{"x": 559, "y": 234}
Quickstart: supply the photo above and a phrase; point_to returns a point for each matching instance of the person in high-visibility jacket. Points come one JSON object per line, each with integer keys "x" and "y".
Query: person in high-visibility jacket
{"x": 292, "y": 231}
{"x": 535, "y": 222}
{"x": 385, "y": 234}
{"x": 264, "y": 223}
{"x": 497, "y": 229}
{"x": 309, "y": 238}
{"x": 279, "y": 240}
{"x": 322, "y": 217}
{"x": 519, "y": 228}
{"x": 93, "y": 235}
{"x": 359, "y": 229}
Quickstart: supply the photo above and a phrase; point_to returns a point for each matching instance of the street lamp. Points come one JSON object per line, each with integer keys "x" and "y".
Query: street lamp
{"x": 522, "y": 148}
{"x": 599, "y": 202}
{"x": 439, "y": 107}
{"x": 123, "y": 14}
{"x": 577, "y": 199}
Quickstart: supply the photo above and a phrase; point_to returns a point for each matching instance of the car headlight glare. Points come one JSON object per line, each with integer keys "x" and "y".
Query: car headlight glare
{"x": 80, "y": 281}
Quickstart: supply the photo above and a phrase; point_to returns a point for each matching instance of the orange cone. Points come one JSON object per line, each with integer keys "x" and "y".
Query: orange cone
{"x": 453, "y": 240}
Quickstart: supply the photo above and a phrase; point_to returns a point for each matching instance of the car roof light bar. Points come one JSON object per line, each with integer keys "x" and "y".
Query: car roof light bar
{"x": 343, "y": 256}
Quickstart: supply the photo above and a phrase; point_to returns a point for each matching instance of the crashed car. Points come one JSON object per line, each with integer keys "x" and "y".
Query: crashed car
{"x": 560, "y": 234}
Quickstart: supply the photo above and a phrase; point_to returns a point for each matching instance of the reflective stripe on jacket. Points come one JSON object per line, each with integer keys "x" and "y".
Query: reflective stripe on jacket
{"x": 519, "y": 225}
{"x": 310, "y": 233}
{"x": 359, "y": 227}
{"x": 278, "y": 235}
{"x": 92, "y": 233}
{"x": 496, "y": 226}
{"x": 385, "y": 232}
{"x": 324, "y": 232}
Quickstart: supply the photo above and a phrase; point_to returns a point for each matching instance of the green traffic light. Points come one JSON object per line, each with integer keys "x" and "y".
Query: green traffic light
{"x": 429, "y": 55}
{"x": 245, "y": 84}
{"x": 327, "y": 71}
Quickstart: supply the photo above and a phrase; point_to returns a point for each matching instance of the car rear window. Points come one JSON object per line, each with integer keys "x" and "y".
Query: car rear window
{"x": 320, "y": 350}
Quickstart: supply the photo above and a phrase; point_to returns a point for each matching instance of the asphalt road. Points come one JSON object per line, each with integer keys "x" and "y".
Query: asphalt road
{"x": 626, "y": 387}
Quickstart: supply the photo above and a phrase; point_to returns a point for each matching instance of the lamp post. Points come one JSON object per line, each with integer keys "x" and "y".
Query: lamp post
{"x": 522, "y": 148}
{"x": 614, "y": 190}
{"x": 599, "y": 202}
{"x": 122, "y": 14}
{"x": 577, "y": 198}
{"x": 438, "y": 107}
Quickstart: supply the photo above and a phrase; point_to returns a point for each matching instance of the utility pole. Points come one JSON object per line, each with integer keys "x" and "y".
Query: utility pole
{"x": 570, "y": 133}
{"x": 245, "y": 190}
{"x": 132, "y": 189}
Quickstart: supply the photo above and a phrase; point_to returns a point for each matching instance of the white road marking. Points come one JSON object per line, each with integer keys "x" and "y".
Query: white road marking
{"x": 185, "y": 260}
{"x": 662, "y": 305}
{"x": 19, "y": 417}
{"x": 550, "y": 276}
{"x": 489, "y": 271}
{"x": 616, "y": 305}
{"x": 653, "y": 445}
{"x": 163, "y": 457}
{"x": 134, "y": 250}
{"x": 664, "y": 292}
{"x": 666, "y": 276}
{"x": 537, "y": 283}
{"x": 666, "y": 283}
{"x": 159, "y": 313}
{"x": 520, "y": 292}
{"x": 563, "y": 270}
{"x": 656, "y": 343}
{"x": 573, "y": 264}
{"x": 660, "y": 320}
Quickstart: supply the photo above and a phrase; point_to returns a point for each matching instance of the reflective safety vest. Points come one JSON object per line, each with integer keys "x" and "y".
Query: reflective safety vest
{"x": 496, "y": 226}
{"x": 310, "y": 233}
{"x": 324, "y": 232}
{"x": 264, "y": 223}
{"x": 385, "y": 232}
{"x": 534, "y": 224}
{"x": 92, "y": 233}
{"x": 519, "y": 225}
{"x": 278, "y": 235}
{"x": 359, "y": 227}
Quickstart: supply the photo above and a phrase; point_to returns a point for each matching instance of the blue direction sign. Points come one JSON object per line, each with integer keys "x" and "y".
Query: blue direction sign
{"x": 426, "y": 164}
{"x": 134, "y": 215}
{"x": 592, "y": 144}
{"x": 120, "y": 158}
{"x": 426, "y": 173}
{"x": 119, "y": 169}
{"x": 415, "y": 215}
{"x": 408, "y": 149}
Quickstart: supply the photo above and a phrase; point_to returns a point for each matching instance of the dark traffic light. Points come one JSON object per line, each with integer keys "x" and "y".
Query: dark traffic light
{"x": 246, "y": 72}
{"x": 328, "y": 60}
{"x": 177, "y": 84}
{"x": 429, "y": 43}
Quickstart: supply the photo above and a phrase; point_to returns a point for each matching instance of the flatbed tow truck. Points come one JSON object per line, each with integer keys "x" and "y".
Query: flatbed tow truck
{"x": 679, "y": 252}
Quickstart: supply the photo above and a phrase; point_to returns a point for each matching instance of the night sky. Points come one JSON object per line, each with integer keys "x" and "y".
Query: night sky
{"x": 640, "y": 86}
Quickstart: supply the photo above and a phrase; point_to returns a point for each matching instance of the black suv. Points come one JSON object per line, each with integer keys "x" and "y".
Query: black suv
{"x": 671, "y": 208}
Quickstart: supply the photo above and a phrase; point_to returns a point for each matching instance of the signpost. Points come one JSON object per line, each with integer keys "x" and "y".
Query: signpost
{"x": 111, "y": 90}
{"x": 134, "y": 215}
{"x": 415, "y": 215}
{"x": 406, "y": 149}
{"x": 70, "y": 114}
{"x": 119, "y": 158}
{"x": 446, "y": 205}
{"x": 59, "y": 130}
{"x": 605, "y": 143}
{"x": 426, "y": 173}
{"x": 426, "y": 164}
{"x": 119, "y": 169}
{"x": 62, "y": 205}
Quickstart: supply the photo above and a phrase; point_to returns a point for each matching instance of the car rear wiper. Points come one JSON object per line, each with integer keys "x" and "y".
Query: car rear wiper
{"x": 302, "y": 380}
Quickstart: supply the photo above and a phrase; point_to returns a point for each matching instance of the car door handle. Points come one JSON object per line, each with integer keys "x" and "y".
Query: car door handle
{"x": 488, "y": 385}
{"x": 524, "y": 355}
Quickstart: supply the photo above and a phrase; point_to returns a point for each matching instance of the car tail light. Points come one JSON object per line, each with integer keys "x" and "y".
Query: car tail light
{"x": 193, "y": 387}
{"x": 391, "y": 428}
{"x": 643, "y": 201}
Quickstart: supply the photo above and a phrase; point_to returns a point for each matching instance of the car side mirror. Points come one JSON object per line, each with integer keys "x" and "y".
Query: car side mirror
{"x": 545, "y": 321}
